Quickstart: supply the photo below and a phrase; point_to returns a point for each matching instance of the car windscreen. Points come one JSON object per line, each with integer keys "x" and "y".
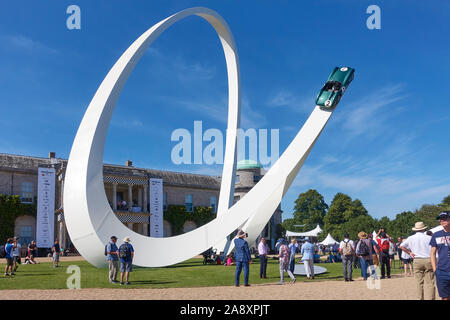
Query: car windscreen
{"x": 332, "y": 86}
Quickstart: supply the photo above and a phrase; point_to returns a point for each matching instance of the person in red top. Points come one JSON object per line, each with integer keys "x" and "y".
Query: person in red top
{"x": 383, "y": 244}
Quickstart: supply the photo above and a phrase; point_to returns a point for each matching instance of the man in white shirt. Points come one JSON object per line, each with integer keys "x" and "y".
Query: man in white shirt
{"x": 418, "y": 247}
{"x": 262, "y": 251}
{"x": 347, "y": 250}
{"x": 16, "y": 255}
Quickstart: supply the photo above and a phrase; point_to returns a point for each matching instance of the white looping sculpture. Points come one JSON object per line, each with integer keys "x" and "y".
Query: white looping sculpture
{"x": 89, "y": 218}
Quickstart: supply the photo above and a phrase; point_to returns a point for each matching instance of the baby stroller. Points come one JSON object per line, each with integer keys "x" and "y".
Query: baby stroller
{"x": 209, "y": 256}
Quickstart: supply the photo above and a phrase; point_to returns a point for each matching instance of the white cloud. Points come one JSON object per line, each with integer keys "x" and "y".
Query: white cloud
{"x": 285, "y": 98}
{"x": 128, "y": 123}
{"x": 25, "y": 44}
{"x": 368, "y": 114}
{"x": 185, "y": 71}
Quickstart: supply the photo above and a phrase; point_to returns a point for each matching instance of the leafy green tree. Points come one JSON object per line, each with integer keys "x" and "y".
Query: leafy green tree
{"x": 446, "y": 203}
{"x": 10, "y": 209}
{"x": 359, "y": 209}
{"x": 341, "y": 209}
{"x": 384, "y": 222}
{"x": 428, "y": 213}
{"x": 344, "y": 217}
{"x": 402, "y": 224}
{"x": 361, "y": 223}
{"x": 310, "y": 209}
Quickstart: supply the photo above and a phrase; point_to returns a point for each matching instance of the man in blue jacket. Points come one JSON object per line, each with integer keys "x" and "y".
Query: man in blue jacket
{"x": 242, "y": 257}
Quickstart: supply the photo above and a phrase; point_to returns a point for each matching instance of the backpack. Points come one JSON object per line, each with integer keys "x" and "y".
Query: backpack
{"x": 347, "y": 250}
{"x": 2, "y": 252}
{"x": 384, "y": 245}
{"x": 364, "y": 249}
{"x": 124, "y": 251}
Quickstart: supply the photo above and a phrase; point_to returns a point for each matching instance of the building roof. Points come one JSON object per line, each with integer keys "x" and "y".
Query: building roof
{"x": 31, "y": 164}
{"x": 248, "y": 164}
{"x": 19, "y": 162}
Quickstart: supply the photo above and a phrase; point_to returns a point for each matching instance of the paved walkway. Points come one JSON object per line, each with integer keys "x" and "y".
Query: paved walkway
{"x": 397, "y": 288}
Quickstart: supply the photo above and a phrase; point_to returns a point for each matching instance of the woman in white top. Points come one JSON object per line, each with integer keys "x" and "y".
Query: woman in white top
{"x": 407, "y": 260}
{"x": 391, "y": 252}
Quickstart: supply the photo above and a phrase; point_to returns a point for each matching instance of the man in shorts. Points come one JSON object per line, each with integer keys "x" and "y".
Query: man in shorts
{"x": 126, "y": 254}
{"x": 16, "y": 255}
{"x": 440, "y": 243}
{"x": 112, "y": 256}
{"x": 56, "y": 249}
{"x": 9, "y": 258}
{"x": 32, "y": 252}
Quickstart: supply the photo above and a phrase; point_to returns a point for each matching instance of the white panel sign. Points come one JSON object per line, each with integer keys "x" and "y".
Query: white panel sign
{"x": 45, "y": 208}
{"x": 156, "y": 208}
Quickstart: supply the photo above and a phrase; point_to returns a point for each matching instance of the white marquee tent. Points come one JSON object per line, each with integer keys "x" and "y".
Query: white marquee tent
{"x": 436, "y": 229}
{"x": 312, "y": 233}
{"x": 328, "y": 241}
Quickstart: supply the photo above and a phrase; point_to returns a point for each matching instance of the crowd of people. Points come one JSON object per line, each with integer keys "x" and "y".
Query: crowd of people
{"x": 12, "y": 252}
{"x": 426, "y": 255}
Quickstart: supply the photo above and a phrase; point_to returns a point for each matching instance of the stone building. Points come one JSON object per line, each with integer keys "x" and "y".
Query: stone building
{"x": 248, "y": 173}
{"x": 126, "y": 188}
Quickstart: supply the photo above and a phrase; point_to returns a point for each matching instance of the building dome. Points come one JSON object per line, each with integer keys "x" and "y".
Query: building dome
{"x": 248, "y": 164}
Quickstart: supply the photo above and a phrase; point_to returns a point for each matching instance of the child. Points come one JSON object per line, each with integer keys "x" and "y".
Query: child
{"x": 230, "y": 260}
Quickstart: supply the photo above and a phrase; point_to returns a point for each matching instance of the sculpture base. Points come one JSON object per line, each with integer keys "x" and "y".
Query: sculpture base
{"x": 300, "y": 270}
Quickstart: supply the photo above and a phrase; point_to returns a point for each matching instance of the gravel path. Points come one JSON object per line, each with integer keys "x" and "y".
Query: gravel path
{"x": 396, "y": 288}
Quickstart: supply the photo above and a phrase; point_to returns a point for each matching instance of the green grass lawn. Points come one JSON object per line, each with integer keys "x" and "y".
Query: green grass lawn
{"x": 191, "y": 273}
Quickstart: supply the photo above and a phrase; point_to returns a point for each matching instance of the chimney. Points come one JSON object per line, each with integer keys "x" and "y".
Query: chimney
{"x": 51, "y": 155}
{"x": 129, "y": 163}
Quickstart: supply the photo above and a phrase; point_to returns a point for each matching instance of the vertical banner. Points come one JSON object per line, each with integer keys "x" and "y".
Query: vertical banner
{"x": 45, "y": 227}
{"x": 156, "y": 208}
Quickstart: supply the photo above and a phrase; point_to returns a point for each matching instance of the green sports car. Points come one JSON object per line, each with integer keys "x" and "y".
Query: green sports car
{"x": 331, "y": 93}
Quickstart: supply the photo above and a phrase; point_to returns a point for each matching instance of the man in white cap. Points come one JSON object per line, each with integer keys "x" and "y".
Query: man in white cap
{"x": 440, "y": 243}
{"x": 112, "y": 256}
{"x": 126, "y": 254}
{"x": 242, "y": 257}
{"x": 418, "y": 247}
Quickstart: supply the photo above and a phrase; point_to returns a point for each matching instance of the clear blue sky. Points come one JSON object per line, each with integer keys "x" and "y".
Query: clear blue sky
{"x": 387, "y": 144}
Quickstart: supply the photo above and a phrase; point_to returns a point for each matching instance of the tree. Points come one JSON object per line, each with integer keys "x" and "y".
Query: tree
{"x": 359, "y": 209}
{"x": 402, "y": 224}
{"x": 341, "y": 215}
{"x": 341, "y": 208}
{"x": 10, "y": 208}
{"x": 361, "y": 223}
{"x": 446, "y": 203}
{"x": 310, "y": 209}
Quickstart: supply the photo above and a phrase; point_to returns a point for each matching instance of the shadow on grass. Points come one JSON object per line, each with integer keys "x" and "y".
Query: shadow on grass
{"x": 140, "y": 282}
{"x": 188, "y": 265}
{"x": 20, "y": 275}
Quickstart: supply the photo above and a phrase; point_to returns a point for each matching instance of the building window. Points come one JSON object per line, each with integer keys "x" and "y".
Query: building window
{"x": 26, "y": 235}
{"x": 238, "y": 179}
{"x": 27, "y": 192}
{"x": 189, "y": 206}
{"x": 256, "y": 178}
{"x": 236, "y": 199}
{"x": 213, "y": 202}
{"x": 165, "y": 201}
